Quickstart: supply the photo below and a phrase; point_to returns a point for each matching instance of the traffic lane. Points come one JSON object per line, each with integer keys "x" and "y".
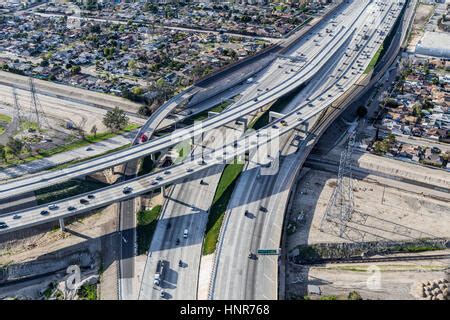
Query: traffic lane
{"x": 311, "y": 67}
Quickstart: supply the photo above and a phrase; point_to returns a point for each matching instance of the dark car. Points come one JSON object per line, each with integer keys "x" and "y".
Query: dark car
{"x": 44, "y": 212}
{"x": 71, "y": 208}
{"x": 127, "y": 190}
{"x": 84, "y": 201}
{"x": 91, "y": 196}
{"x": 3, "y": 225}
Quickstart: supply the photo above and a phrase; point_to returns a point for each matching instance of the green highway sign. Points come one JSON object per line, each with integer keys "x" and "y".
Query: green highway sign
{"x": 268, "y": 252}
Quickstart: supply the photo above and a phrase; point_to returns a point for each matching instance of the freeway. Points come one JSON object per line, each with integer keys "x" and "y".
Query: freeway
{"x": 187, "y": 206}
{"x": 312, "y": 53}
{"x": 236, "y": 276}
{"x": 300, "y": 115}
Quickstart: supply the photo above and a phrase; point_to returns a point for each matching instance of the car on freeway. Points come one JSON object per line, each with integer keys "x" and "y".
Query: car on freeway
{"x": 89, "y": 149}
{"x": 16, "y": 216}
{"x": 284, "y": 123}
{"x": 189, "y": 169}
{"x": 154, "y": 183}
{"x": 127, "y": 190}
{"x": 252, "y": 256}
{"x": 71, "y": 208}
{"x": 84, "y": 201}
{"x": 3, "y": 225}
{"x": 185, "y": 233}
{"x": 53, "y": 207}
{"x": 275, "y": 126}
{"x": 91, "y": 196}
{"x": 159, "y": 178}
{"x": 162, "y": 294}
{"x": 44, "y": 212}
{"x": 167, "y": 172}
{"x": 262, "y": 209}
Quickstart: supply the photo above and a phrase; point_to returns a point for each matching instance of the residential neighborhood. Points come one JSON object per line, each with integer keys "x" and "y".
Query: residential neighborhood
{"x": 128, "y": 60}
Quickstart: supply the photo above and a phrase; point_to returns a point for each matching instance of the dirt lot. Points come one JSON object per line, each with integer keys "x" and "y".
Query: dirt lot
{"x": 386, "y": 280}
{"x": 57, "y": 111}
{"x": 92, "y": 233}
{"x": 423, "y": 13}
{"x": 385, "y": 210}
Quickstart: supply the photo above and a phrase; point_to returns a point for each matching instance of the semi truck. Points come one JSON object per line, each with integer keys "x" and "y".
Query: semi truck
{"x": 159, "y": 274}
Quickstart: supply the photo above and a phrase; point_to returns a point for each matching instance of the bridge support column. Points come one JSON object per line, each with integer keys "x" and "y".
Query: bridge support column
{"x": 302, "y": 129}
{"x": 244, "y": 122}
{"x": 62, "y": 225}
{"x": 274, "y": 115}
{"x": 197, "y": 141}
{"x": 163, "y": 191}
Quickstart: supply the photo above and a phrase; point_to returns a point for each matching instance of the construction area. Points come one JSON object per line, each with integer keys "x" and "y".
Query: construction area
{"x": 364, "y": 223}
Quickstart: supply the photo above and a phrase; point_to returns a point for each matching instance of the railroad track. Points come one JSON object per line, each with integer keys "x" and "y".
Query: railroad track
{"x": 381, "y": 259}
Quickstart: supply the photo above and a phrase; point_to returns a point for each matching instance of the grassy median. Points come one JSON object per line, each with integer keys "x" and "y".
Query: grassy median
{"x": 146, "y": 225}
{"x": 219, "y": 206}
{"x": 374, "y": 60}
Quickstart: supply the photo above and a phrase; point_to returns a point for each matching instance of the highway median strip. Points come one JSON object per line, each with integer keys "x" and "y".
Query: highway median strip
{"x": 146, "y": 225}
{"x": 220, "y": 203}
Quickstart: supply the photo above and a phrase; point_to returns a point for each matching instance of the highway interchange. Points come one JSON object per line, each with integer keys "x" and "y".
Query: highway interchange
{"x": 312, "y": 57}
{"x": 328, "y": 64}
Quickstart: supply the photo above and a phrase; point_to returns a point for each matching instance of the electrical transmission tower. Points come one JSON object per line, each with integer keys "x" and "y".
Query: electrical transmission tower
{"x": 341, "y": 206}
{"x": 36, "y": 108}
{"x": 17, "y": 108}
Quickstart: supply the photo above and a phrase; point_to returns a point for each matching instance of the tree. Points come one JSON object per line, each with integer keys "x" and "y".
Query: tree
{"x": 44, "y": 63}
{"x": 137, "y": 90}
{"x": 417, "y": 109}
{"x": 3, "y": 153}
{"x": 380, "y": 147}
{"x": 362, "y": 111}
{"x": 15, "y": 146}
{"x": 94, "y": 130}
{"x": 115, "y": 119}
{"x": 75, "y": 70}
{"x": 354, "y": 295}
